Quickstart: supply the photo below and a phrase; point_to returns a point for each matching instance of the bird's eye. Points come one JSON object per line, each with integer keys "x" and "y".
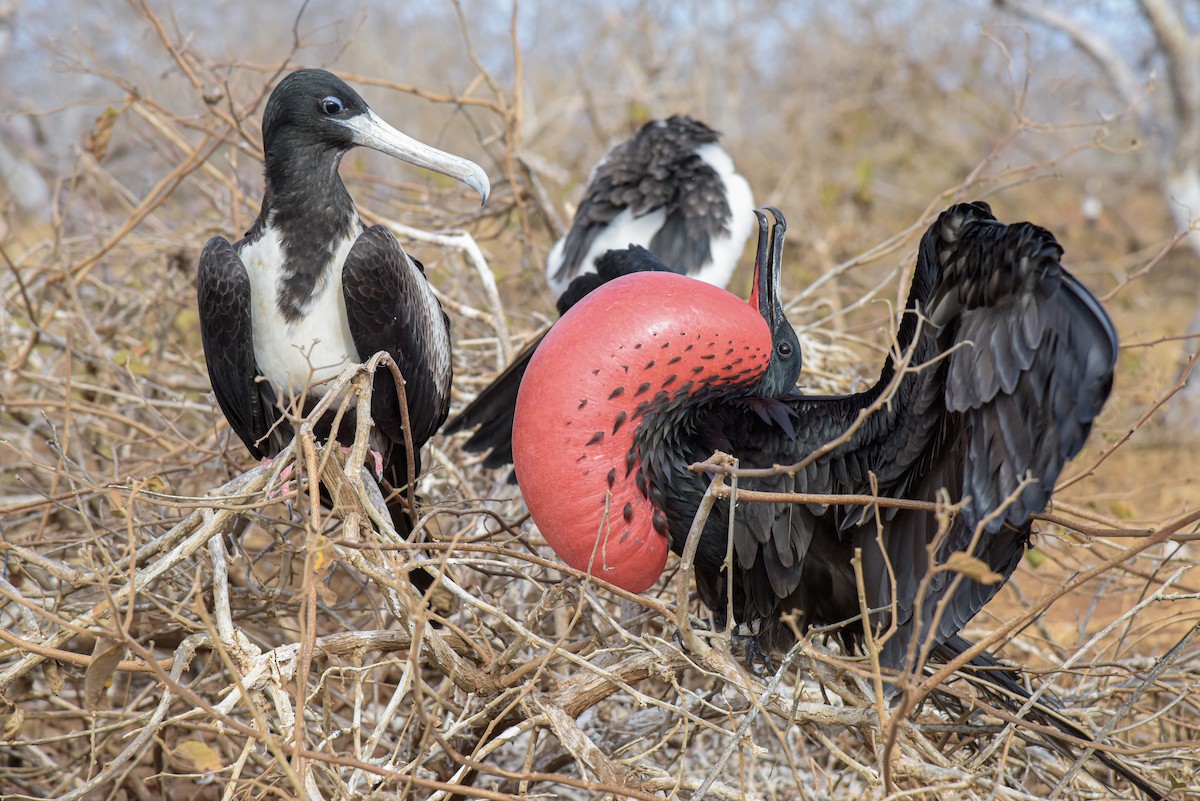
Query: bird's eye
{"x": 785, "y": 348}
{"x": 331, "y": 105}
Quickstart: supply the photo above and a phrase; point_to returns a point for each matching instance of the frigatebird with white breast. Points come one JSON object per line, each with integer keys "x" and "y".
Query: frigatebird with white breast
{"x": 670, "y": 188}
{"x": 1001, "y": 363}
{"x": 311, "y": 290}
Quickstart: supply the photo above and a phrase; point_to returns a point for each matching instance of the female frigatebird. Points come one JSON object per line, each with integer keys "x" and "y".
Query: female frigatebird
{"x": 671, "y": 189}
{"x": 1001, "y": 363}
{"x": 311, "y": 290}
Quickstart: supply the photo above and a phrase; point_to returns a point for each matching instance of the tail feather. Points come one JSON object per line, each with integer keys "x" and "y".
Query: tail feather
{"x": 395, "y": 492}
{"x": 1003, "y": 686}
{"x": 421, "y": 578}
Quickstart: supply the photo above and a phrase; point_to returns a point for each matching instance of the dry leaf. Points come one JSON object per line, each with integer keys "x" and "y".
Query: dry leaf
{"x": 96, "y": 140}
{"x": 154, "y": 484}
{"x": 12, "y": 726}
{"x": 201, "y": 756}
{"x": 54, "y": 676}
{"x": 972, "y": 567}
{"x": 98, "y": 677}
{"x": 322, "y": 556}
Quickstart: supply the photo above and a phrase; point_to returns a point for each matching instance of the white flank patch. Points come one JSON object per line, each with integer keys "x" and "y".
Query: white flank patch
{"x": 623, "y": 231}
{"x": 296, "y": 355}
{"x": 726, "y": 249}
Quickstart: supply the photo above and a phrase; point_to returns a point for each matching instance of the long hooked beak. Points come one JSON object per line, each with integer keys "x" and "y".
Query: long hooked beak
{"x": 370, "y": 131}
{"x": 768, "y": 260}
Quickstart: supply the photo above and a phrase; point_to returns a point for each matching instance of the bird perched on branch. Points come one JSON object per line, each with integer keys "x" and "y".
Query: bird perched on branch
{"x": 1002, "y": 361}
{"x": 311, "y": 290}
{"x": 670, "y": 189}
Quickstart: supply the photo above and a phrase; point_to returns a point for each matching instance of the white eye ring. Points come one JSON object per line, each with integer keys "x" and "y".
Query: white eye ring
{"x": 331, "y": 105}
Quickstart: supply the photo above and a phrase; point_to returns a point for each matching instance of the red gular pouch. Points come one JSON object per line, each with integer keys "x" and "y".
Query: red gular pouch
{"x": 611, "y": 367}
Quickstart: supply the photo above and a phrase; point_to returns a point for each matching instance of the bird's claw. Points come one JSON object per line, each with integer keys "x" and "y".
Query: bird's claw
{"x": 754, "y": 654}
{"x": 697, "y": 625}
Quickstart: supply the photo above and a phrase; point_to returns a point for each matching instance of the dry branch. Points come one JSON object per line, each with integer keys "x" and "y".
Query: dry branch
{"x": 170, "y": 624}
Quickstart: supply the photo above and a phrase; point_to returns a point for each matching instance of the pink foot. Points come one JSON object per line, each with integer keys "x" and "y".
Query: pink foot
{"x": 286, "y": 487}
{"x": 376, "y": 457}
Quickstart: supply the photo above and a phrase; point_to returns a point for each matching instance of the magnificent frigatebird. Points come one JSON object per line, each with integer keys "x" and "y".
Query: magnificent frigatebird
{"x": 1001, "y": 363}
{"x": 671, "y": 189}
{"x": 311, "y": 290}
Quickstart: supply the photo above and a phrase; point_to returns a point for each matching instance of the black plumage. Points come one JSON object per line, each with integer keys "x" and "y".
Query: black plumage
{"x": 491, "y": 412}
{"x": 1009, "y": 359}
{"x": 310, "y": 289}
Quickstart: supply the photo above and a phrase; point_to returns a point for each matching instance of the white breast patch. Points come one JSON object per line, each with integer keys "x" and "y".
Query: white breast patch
{"x": 297, "y": 355}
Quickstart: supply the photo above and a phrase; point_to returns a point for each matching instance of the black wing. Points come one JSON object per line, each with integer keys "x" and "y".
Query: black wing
{"x": 657, "y": 169}
{"x": 391, "y": 307}
{"x": 1011, "y": 360}
{"x": 223, "y": 297}
{"x": 491, "y": 411}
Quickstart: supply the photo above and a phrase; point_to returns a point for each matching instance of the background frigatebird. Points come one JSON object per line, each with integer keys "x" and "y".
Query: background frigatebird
{"x": 311, "y": 290}
{"x": 1001, "y": 363}
{"x": 670, "y": 188}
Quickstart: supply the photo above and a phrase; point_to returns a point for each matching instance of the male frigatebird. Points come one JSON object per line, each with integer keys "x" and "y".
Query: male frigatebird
{"x": 311, "y": 290}
{"x": 1001, "y": 363}
{"x": 670, "y": 188}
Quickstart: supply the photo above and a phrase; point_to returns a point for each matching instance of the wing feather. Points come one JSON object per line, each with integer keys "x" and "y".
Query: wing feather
{"x": 391, "y": 307}
{"x": 223, "y": 299}
{"x": 658, "y": 169}
{"x": 1007, "y": 373}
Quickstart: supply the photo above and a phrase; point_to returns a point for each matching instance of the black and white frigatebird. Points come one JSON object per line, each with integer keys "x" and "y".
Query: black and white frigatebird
{"x": 311, "y": 290}
{"x": 1002, "y": 362}
{"x": 670, "y": 188}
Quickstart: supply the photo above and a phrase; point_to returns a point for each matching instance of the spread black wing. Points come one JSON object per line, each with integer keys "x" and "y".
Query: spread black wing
{"x": 391, "y": 307}
{"x": 1009, "y": 361}
{"x": 491, "y": 411}
{"x": 656, "y": 169}
{"x": 223, "y": 295}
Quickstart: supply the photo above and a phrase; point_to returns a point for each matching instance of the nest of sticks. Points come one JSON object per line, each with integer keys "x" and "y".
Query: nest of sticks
{"x": 175, "y": 620}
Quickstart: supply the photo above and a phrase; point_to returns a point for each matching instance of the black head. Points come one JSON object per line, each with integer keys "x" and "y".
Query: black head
{"x": 315, "y": 114}
{"x": 781, "y": 376}
{"x": 312, "y": 107}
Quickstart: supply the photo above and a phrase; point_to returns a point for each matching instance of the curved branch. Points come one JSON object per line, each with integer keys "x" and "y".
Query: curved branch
{"x": 1100, "y": 50}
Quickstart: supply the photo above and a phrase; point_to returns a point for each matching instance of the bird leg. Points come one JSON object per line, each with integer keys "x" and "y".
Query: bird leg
{"x": 376, "y": 460}
{"x": 757, "y": 660}
{"x": 754, "y": 654}
{"x": 696, "y": 624}
{"x": 287, "y": 486}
